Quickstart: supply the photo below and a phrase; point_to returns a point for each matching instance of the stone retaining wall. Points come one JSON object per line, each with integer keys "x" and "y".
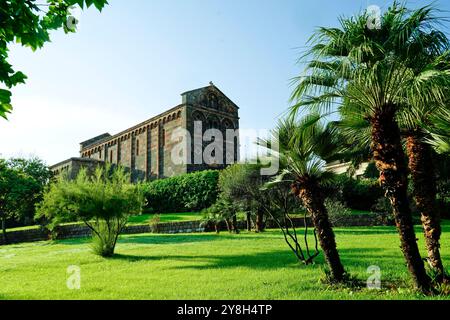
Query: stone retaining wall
{"x": 80, "y": 230}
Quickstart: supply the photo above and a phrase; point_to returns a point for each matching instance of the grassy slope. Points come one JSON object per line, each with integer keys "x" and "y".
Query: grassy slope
{"x": 202, "y": 266}
{"x": 141, "y": 219}
{"x": 166, "y": 217}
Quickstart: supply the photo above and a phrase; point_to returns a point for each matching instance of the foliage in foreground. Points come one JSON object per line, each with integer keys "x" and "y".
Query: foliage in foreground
{"x": 29, "y": 23}
{"x": 103, "y": 201}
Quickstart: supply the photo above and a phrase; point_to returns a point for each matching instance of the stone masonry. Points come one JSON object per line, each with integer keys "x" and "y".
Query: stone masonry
{"x": 146, "y": 148}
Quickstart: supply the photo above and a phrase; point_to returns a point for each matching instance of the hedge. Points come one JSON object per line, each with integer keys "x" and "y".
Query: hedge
{"x": 187, "y": 192}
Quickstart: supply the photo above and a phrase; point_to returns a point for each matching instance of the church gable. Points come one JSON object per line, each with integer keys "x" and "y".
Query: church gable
{"x": 210, "y": 97}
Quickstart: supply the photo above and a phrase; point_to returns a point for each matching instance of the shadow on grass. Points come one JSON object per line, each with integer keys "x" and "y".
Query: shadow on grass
{"x": 152, "y": 238}
{"x": 183, "y": 238}
{"x": 264, "y": 260}
{"x": 365, "y": 230}
{"x": 168, "y": 238}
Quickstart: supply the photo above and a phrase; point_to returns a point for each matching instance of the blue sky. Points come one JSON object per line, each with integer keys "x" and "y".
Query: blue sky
{"x": 133, "y": 60}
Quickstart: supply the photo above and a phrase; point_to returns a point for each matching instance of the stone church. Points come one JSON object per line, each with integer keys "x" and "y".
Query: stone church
{"x": 146, "y": 149}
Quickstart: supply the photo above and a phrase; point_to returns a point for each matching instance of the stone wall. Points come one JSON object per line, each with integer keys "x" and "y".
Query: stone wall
{"x": 80, "y": 230}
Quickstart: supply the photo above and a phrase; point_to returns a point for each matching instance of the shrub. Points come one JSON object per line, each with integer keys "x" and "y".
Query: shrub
{"x": 187, "y": 192}
{"x": 371, "y": 171}
{"x": 222, "y": 211}
{"x": 336, "y": 210}
{"x": 359, "y": 194}
{"x": 154, "y": 222}
{"x": 382, "y": 205}
{"x": 103, "y": 202}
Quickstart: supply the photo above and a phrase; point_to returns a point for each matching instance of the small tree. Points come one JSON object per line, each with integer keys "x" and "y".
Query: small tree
{"x": 241, "y": 184}
{"x": 222, "y": 211}
{"x": 303, "y": 147}
{"x": 103, "y": 202}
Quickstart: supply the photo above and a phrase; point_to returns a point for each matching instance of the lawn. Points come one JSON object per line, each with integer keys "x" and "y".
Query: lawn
{"x": 141, "y": 219}
{"x": 204, "y": 266}
{"x": 170, "y": 217}
{"x": 166, "y": 217}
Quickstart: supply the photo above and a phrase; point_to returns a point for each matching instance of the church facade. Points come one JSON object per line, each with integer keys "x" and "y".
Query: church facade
{"x": 147, "y": 149}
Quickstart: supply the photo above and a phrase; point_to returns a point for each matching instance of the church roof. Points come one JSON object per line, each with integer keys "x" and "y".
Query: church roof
{"x": 211, "y": 85}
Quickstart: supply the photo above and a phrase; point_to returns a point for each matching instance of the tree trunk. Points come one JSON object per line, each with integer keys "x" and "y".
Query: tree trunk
{"x": 227, "y": 222}
{"x": 390, "y": 161}
{"x": 313, "y": 201}
{"x": 249, "y": 221}
{"x": 5, "y": 239}
{"x": 259, "y": 221}
{"x": 234, "y": 224}
{"x": 424, "y": 181}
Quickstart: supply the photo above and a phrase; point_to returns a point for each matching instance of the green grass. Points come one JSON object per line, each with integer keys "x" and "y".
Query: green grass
{"x": 172, "y": 217}
{"x": 204, "y": 266}
{"x": 141, "y": 219}
{"x": 166, "y": 217}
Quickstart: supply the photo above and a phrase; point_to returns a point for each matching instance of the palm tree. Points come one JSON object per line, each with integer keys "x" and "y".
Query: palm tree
{"x": 421, "y": 157}
{"x": 363, "y": 71}
{"x": 431, "y": 60}
{"x": 302, "y": 148}
{"x": 439, "y": 132}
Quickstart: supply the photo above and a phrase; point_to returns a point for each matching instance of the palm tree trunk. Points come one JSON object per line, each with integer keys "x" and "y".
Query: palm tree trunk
{"x": 424, "y": 181}
{"x": 390, "y": 161}
{"x": 5, "y": 239}
{"x": 313, "y": 201}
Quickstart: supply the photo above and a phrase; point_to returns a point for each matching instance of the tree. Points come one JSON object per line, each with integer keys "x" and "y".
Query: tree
{"x": 103, "y": 201}
{"x": 302, "y": 148}
{"x": 241, "y": 183}
{"x": 21, "y": 185}
{"x": 29, "y": 23}
{"x": 439, "y": 132}
{"x": 364, "y": 71}
{"x": 222, "y": 211}
{"x": 430, "y": 59}
{"x": 37, "y": 177}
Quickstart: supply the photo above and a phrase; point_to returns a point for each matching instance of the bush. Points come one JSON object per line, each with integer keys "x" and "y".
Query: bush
{"x": 221, "y": 211}
{"x": 336, "y": 210}
{"x": 187, "y": 192}
{"x": 371, "y": 171}
{"x": 103, "y": 202}
{"x": 154, "y": 222}
{"x": 359, "y": 194}
{"x": 382, "y": 206}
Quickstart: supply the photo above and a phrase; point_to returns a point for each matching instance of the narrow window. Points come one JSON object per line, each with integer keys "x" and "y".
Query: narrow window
{"x": 100, "y": 154}
{"x": 111, "y": 156}
{"x": 163, "y": 142}
{"x": 137, "y": 147}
